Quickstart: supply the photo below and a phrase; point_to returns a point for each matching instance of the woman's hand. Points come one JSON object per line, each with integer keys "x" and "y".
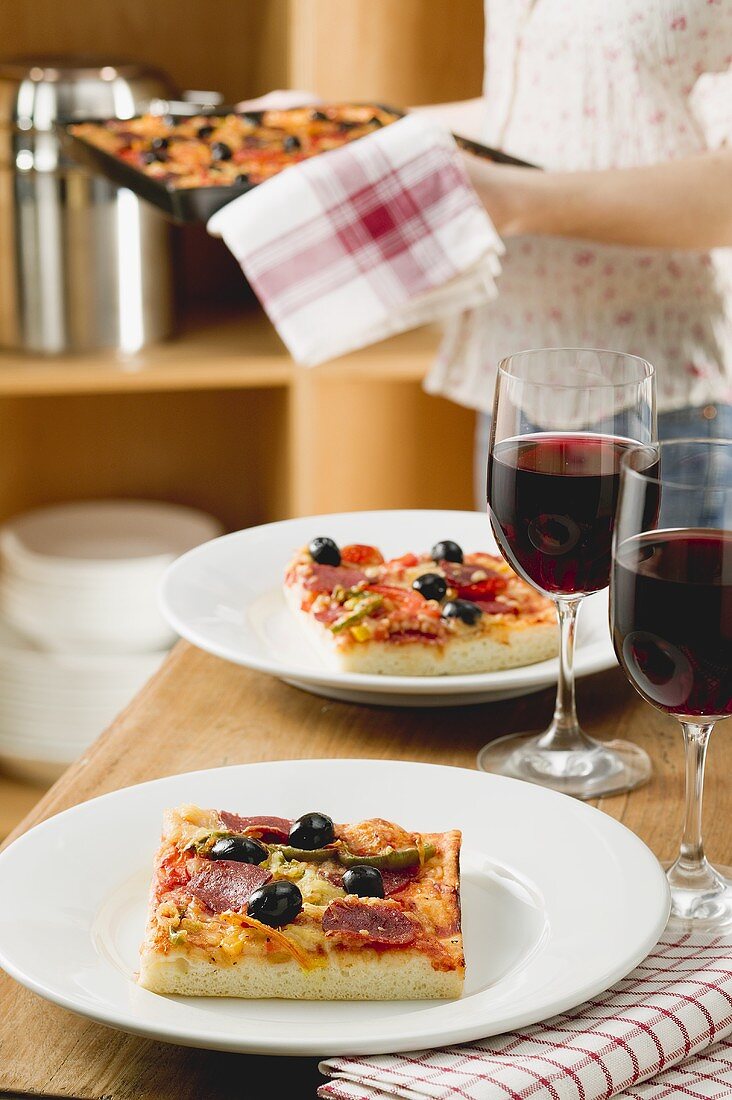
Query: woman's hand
{"x": 503, "y": 191}
{"x": 682, "y": 204}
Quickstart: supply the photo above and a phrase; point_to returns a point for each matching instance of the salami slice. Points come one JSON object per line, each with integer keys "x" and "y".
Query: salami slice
{"x": 329, "y": 614}
{"x": 403, "y": 637}
{"x": 225, "y": 884}
{"x": 495, "y": 607}
{"x": 394, "y": 881}
{"x": 373, "y": 921}
{"x": 324, "y": 578}
{"x": 461, "y": 577}
{"x": 331, "y": 873}
{"x": 274, "y": 829}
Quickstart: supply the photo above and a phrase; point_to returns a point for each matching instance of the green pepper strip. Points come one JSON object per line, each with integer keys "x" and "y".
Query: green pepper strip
{"x": 365, "y": 608}
{"x": 394, "y": 860}
{"x": 315, "y": 855}
{"x": 205, "y": 843}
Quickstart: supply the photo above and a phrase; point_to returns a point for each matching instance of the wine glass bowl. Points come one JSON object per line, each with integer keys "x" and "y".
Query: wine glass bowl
{"x": 671, "y": 613}
{"x": 563, "y": 420}
{"x": 552, "y": 508}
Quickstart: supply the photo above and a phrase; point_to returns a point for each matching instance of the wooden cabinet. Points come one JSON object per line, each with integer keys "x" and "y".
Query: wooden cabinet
{"x": 219, "y": 417}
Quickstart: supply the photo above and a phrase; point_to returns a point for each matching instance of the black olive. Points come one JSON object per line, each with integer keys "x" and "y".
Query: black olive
{"x": 325, "y": 551}
{"x": 242, "y": 178}
{"x": 275, "y": 904}
{"x": 311, "y": 831}
{"x": 220, "y": 151}
{"x": 291, "y": 143}
{"x": 344, "y": 126}
{"x": 446, "y": 551}
{"x": 430, "y": 585}
{"x": 159, "y": 143}
{"x": 365, "y": 882}
{"x": 205, "y": 131}
{"x": 242, "y": 849}
{"x": 149, "y": 157}
{"x": 375, "y": 121}
{"x": 252, "y": 118}
{"x": 318, "y": 116}
{"x": 464, "y": 610}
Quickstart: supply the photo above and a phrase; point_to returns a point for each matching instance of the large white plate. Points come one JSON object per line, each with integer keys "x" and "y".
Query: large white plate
{"x": 226, "y": 597}
{"x": 559, "y": 901}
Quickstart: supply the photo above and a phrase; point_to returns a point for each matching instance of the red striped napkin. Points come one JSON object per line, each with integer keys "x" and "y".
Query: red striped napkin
{"x": 364, "y": 241}
{"x": 661, "y": 1032}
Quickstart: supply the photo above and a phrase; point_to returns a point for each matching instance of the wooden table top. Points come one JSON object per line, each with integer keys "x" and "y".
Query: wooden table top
{"x": 202, "y": 712}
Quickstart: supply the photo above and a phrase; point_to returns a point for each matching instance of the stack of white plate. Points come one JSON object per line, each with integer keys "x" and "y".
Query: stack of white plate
{"x": 80, "y": 630}
{"x": 53, "y": 705}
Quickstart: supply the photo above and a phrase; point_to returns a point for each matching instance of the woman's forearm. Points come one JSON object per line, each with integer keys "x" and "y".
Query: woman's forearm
{"x": 684, "y": 204}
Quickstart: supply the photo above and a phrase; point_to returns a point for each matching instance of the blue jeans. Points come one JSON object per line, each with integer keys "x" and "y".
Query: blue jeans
{"x": 709, "y": 422}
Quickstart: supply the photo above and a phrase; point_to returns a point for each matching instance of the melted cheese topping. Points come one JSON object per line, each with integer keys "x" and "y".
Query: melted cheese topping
{"x": 402, "y": 614}
{"x": 180, "y": 923}
{"x": 274, "y": 935}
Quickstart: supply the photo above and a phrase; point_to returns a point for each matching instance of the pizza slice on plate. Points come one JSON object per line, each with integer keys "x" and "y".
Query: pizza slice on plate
{"x": 433, "y": 614}
{"x": 305, "y": 909}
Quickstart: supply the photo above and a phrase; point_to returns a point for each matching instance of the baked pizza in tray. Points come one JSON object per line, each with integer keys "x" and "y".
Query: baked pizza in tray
{"x": 240, "y": 149}
{"x": 307, "y": 909}
{"x": 445, "y": 612}
{"x": 191, "y": 166}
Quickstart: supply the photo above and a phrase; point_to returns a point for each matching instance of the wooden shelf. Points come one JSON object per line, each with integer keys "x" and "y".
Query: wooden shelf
{"x": 219, "y": 417}
{"x": 209, "y": 353}
{"x": 240, "y": 351}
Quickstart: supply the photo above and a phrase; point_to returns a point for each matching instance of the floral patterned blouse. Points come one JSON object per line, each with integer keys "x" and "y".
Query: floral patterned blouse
{"x": 593, "y": 84}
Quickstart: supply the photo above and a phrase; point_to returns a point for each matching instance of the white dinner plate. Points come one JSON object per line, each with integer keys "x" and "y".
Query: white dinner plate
{"x": 226, "y": 597}
{"x": 559, "y": 901}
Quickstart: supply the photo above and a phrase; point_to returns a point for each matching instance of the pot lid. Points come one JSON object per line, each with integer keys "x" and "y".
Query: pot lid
{"x": 36, "y": 92}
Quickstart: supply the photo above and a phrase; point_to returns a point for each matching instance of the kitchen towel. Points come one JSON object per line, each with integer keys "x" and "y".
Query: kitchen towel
{"x": 661, "y": 1032}
{"x": 365, "y": 241}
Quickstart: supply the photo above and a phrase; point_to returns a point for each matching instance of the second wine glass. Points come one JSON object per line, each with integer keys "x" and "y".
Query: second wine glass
{"x": 563, "y": 419}
{"x": 671, "y": 601}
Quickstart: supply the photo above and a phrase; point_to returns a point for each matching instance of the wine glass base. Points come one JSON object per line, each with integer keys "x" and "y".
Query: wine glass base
{"x": 603, "y": 768}
{"x": 707, "y": 910}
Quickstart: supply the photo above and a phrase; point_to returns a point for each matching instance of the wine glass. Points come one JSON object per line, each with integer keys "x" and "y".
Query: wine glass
{"x": 671, "y": 614}
{"x": 563, "y": 418}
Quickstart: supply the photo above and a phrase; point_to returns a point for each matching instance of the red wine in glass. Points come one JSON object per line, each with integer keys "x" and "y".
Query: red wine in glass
{"x": 552, "y": 503}
{"x": 672, "y": 619}
{"x": 563, "y": 418}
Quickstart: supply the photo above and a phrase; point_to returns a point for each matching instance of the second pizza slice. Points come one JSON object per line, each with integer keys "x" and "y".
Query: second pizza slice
{"x": 445, "y": 612}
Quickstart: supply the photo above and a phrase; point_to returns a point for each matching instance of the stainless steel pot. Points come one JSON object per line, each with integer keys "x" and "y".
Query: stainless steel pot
{"x": 83, "y": 264}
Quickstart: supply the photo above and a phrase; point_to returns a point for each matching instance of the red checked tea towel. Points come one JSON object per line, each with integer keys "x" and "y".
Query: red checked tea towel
{"x": 364, "y": 241}
{"x": 661, "y": 1032}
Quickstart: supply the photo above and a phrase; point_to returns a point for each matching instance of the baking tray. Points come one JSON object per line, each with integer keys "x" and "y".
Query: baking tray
{"x": 198, "y": 204}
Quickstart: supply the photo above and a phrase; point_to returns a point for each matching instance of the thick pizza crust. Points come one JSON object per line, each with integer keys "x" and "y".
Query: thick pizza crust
{"x": 506, "y": 644}
{"x": 366, "y": 975}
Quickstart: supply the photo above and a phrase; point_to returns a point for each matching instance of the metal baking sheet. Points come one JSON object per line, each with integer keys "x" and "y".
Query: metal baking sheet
{"x": 198, "y": 204}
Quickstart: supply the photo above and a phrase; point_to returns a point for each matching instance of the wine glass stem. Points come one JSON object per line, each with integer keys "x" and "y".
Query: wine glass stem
{"x": 691, "y": 870}
{"x": 564, "y": 734}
